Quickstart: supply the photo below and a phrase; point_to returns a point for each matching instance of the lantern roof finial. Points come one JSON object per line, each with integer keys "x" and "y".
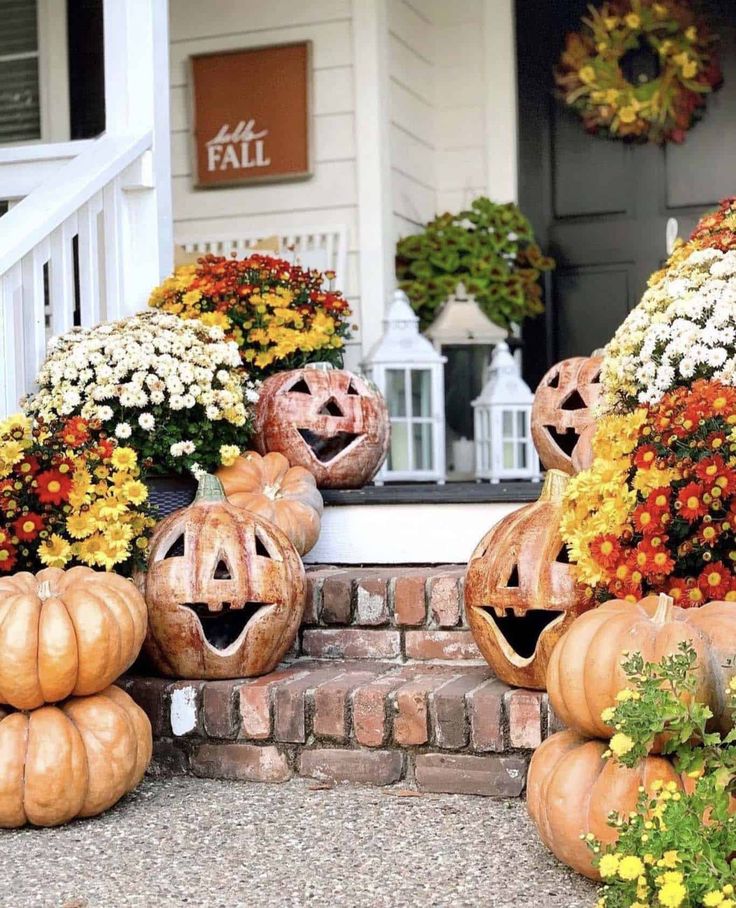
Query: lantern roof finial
{"x": 401, "y": 343}
{"x": 504, "y": 383}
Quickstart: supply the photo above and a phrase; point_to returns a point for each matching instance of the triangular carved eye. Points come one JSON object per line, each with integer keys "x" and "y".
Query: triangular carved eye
{"x": 176, "y": 549}
{"x": 222, "y": 571}
{"x": 566, "y": 441}
{"x": 331, "y": 408}
{"x": 574, "y": 402}
{"x": 513, "y": 581}
{"x": 352, "y": 389}
{"x": 554, "y": 382}
{"x": 300, "y": 387}
{"x": 595, "y": 380}
{"x": 563, "y": 556}
{"x": 261, "y": 548}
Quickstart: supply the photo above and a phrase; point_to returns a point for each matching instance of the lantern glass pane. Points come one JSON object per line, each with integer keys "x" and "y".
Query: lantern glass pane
{"x": 508, "y": 455}
{"x": 421, "y": 392}
{"x": 521, "y": 461}
{"x": 521, "y": 424}
{"x": 396, "y": 392}
{"x": 422, "y": 446}
{"x": 398, "y": 454}
{"x": 508, "y": 424}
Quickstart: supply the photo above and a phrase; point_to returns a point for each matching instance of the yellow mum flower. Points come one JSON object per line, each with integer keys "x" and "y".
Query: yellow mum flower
{"x": 620, "y": 745}
{"x": 633, "y": 20}
{"x": 55, "y": 552}
{"x": 627, "y": 115}
{"x": 672, "y": 895}
{"x": 79, "y": 526}
{"x": 229, "y": 454}
{"x": 124, "y": 459}
{"x": 135, "y": 492}
{"x": 608, "y": 865}
{"x": 631, "y": 867}
{"x": 712, "y": 899}
{"x": 608, "y": 714}
{"x": 216, "y": 320}
{"x": 671, "y": 858}
{"x": 627, "y": 694}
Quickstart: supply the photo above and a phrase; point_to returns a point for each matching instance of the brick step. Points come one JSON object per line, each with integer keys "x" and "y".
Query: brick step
{"x": 443, "y": 728}
{"x": 398, "y": 613}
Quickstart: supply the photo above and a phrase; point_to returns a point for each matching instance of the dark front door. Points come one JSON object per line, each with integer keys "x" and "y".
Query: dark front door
{"x": 601, "y": 207}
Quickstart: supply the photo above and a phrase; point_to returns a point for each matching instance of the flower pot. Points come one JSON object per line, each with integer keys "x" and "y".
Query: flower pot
{"x": 171, "y": 492}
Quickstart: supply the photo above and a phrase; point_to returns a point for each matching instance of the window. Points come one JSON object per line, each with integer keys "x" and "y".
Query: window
{"x": 20, "y": 108}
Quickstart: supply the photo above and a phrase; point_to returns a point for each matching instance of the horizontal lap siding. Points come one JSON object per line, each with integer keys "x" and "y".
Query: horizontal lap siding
{"x": 329, "y": 196}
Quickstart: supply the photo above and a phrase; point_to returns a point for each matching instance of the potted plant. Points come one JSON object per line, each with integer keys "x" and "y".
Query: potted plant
{"x": 488, "y": 247}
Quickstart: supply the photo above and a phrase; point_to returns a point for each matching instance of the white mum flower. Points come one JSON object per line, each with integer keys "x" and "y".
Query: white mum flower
{"x": 147, "y": 421}
{"x": 123, "y": 430}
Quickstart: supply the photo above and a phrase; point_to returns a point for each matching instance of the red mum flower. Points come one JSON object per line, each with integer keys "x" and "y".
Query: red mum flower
{"x": 677, "y": 588}
{"x": 645, "y": 457}
{"x": 105, "y": 448}
{"x": 27, "y": 527}
{"x": 658, "y": 501}
{"x": 647, "y": 520}
{"x": 606, "y": 550}
{"x": 709, "y": 534}
{"x": 690, "y": 500}
{"x": 8, "y": 557}
{"x": 75, "y": 431}
{"x": 52, "y": 487}
{"x": 29, "y": 466}
{"x": 715, "y": 581}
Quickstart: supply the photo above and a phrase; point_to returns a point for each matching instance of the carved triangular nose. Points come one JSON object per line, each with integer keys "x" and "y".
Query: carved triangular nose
{"x": 331, "y": 408}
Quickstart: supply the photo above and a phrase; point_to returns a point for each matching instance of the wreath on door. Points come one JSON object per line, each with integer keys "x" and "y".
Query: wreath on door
{"x": 639, "y": 70}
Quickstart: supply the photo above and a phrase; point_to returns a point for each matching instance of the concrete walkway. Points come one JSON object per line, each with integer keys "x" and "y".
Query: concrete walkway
{"x": 208, "y": 844}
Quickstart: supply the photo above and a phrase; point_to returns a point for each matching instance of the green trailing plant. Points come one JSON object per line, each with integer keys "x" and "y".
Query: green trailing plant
{"x": 677, "y": 849}
{"x": 488, "y": 247}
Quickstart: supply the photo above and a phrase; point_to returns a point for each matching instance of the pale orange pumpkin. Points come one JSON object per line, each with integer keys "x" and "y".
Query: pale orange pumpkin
{"x": 75, "y": 760}
{"x": 284, "y": 495}
{"x": 66, "y": 633}
{"x": 225, "y": 591}
{"x": 571, "y": 790}
{"x": 585, "y": 673}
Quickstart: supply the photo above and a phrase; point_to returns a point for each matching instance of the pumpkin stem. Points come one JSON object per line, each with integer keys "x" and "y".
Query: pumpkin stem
{"x": 209, "y": 488}
{"x": 555, "y": 483}
{"x": 663, "y": 614}
{"x": 44, "y": 590}
{"x": 320, "y": 366}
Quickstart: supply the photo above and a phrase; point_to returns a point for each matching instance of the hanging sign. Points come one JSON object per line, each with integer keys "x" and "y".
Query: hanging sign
{"x": 251, "y": 115}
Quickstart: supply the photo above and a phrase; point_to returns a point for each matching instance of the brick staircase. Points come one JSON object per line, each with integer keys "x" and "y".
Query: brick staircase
{"x": 384, "y": 685}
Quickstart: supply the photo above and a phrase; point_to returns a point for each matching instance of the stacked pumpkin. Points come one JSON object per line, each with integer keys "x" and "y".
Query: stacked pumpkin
{"x": 520, "y": 590}
{"x": 71, "y": 745}
{"x": 571, "y": 790}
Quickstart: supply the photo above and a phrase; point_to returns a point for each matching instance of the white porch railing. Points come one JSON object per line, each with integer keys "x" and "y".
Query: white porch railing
{"x": 77, "y": 250}
{"x": 323, "y": 248}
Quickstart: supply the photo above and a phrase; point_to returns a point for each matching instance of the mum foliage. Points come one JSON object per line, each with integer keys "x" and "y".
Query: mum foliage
{"x": 281, "y": 316}
{"x": 657, "y": 510}
{"x": 490, "y": 248}
{"x": 69, "y": 495}
{"x": 676, "y": 849}
{"x": 174, "y": 391}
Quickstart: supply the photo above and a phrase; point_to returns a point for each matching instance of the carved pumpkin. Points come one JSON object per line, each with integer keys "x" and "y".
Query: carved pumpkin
{"x": 225, "y": 591}
{"x": 585, "y": 672}
{"x": 75, "y": 760}
{"x": 330, "y": 421}
{"x": 286, "y": 496}
{"x": 563, "y": 408}
{"x": 570, "y": 791}
{"x": 520, "y": 592}
{"x": 66, "y": 632}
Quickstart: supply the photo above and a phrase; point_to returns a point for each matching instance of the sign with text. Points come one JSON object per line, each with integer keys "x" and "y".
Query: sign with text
{"x": 251, "y": 115}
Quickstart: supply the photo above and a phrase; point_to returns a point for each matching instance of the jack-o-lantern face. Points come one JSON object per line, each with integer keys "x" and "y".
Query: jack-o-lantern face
{"x": 330, "y": 421}
{"x": 563, "y": 409}
{"x": 520, "y": 592}
{"x": 225, "y": 591}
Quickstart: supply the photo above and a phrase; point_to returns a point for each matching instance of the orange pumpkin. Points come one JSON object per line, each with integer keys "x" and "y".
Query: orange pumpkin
{"x": 585, "y": 672}
{"x": 66, "y": 633}
{"x": 520, "y": 590}
{"x": 75, "y": 760}
{"x": 571, "y": 790}
{"x": 563, "y": 408}
{"x": 225, "y": 591}
{"x": 286, "y": 496}
{"x": 331, "y": 421}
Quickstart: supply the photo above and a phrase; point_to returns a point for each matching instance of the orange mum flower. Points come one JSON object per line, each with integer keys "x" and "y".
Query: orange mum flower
{"x": 645, "y": 457}
{"x": 690, "y": 500}
{"x": 606, "y": 550}
{"x": 715, "y": 581}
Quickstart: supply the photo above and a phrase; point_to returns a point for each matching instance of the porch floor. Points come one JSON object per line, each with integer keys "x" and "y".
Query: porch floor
{"x": 226, "y": 845}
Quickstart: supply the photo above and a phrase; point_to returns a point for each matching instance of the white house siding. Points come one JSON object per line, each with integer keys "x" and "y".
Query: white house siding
{"x": 329, "y": 196}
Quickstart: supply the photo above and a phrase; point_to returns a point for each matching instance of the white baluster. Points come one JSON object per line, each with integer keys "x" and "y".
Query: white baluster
{"x": 89, "y": 262}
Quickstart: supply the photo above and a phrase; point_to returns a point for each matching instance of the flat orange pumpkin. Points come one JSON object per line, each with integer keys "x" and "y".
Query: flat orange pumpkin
{"x": 75, "y": 760}
{"x": 65, "y": 633}
{"x": 284, "y": 495}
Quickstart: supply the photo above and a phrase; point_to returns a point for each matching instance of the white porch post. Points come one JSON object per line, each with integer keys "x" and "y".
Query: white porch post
{"x": 137, "y": 101}
{"x": 501, "y": 100}
{"x": 375, "y": 220}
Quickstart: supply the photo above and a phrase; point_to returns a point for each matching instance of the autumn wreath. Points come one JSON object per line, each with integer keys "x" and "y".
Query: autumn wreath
{"x": 639, "y": 69}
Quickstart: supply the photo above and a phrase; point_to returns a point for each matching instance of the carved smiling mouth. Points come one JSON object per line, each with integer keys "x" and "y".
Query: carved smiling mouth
{"x": 327, "y": 447}
{"x": 225, "y": 627}
{"x": 518, "y": 632}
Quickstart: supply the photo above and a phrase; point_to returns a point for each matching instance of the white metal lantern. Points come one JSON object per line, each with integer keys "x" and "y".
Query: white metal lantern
{"x": 410, "y": 374}
{"x": 502, "y": 416}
